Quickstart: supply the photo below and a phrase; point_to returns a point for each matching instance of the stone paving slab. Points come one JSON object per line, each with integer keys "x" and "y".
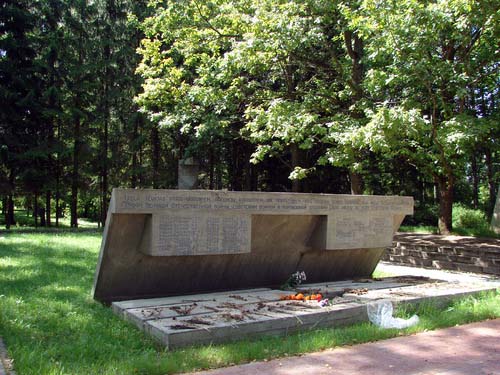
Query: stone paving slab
{"x": 220, "y": 317}
{"x": 464, "y": 350}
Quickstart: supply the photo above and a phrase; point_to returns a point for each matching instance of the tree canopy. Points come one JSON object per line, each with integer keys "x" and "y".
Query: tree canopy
{"x": 317, "y": 96}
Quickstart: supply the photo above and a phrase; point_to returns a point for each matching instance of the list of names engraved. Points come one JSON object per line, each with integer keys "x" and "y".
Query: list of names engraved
{"x": 360, "y": 232}
{"x": 200, "y": 234}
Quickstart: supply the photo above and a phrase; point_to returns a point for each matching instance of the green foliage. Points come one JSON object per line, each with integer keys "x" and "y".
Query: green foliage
{"x": 424, "y": 69}
{"x": 468, "y": 217}
{"x": 313, "y": 84}
{"x": 112, "y": 93}
{"x": 424, "y": 214}
{"x": 468, "y": 221}
{"x": 265, "y": 69}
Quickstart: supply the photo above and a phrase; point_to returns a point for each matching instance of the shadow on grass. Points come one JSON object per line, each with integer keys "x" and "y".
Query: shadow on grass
{"x": 47, "y": 315}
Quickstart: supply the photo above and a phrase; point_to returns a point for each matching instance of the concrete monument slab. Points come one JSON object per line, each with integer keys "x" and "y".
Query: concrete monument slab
{"x": 160, "y": 243}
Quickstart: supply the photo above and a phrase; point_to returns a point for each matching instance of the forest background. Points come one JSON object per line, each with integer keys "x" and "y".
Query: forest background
{"x": 324, "y": 96}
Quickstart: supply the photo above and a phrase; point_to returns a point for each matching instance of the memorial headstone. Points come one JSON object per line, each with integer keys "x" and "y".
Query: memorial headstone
{"x": 187, "y": 174}
{"x": 495, "y": 219}
{"x": 160, "y": 243}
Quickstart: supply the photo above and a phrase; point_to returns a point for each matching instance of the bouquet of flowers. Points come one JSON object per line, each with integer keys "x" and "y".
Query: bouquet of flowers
{"x": 295, "y": 279}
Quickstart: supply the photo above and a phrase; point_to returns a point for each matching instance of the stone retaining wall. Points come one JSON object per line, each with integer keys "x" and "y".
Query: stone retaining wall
{"x": 449, "y": 257}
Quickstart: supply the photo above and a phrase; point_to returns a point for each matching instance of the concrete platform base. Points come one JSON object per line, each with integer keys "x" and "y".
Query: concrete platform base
{"x": 220, "y": 317}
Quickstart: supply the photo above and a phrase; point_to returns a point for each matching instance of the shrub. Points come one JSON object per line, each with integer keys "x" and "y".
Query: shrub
{"x": 470, "y": 221}
{"x": 468, "y": 218}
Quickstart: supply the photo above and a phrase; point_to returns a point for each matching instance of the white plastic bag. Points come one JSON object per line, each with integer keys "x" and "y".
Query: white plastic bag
{"x": 380, "y": 314}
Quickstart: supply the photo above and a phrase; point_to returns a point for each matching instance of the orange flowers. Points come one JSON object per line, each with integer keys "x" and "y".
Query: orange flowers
{"x": 301, "y": 297}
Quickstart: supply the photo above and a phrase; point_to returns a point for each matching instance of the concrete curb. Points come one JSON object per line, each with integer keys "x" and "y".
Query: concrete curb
{"x": 6, "y": 364}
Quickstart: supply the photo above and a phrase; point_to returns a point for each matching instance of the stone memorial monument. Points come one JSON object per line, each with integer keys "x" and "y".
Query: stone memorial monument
{"x": 187, "y": 174}
{"x": 160, "y": 243}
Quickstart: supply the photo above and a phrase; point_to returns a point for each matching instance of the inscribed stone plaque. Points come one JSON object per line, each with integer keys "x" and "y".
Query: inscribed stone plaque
{"x": 151, "y": 201}
{"x": 354, "y": 232}
{"x": 199, "y": 233}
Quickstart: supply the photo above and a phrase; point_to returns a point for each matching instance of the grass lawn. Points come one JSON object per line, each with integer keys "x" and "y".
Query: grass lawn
{"x": 425, "y": 229}
{"x": 51, "y": 324}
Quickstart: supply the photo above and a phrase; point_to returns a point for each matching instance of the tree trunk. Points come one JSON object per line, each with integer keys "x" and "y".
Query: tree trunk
{"x": 41, "y": 212}
{"x": 218, "y": 169}
{"x": 355, "y": 49}
{"x": 155, "y": 157}
{"x": 233, "y": 171}
{"x": 12, "y": 217}
{"x": 48, "y": 197}
{"x": 9, "y": 212}
{"x": 445, "y": 185}
{"x": 356, "y": 183}
{"x": 100, "y": 213}
{"x": 133, "y": 141}
{"x": 10, "y": 200}
{"x": 35, "y": 209}
{"x": 251, "y": 177}
{"x": 475, "y": 181}
{"x": 422, "y": 190}
{"x": 104, "y": 173}
{"x": 211, "y": 167}
{"x": 107, "y": 83}
{"x": 77, "y": 117}
{"x": 58, "y": 209}
{"x": 55, "y": 110}
{"x": 491, "y": 183}
{"x": 75, "y": 174}
{"x": 58, "y": 173}
{"x": 140, "y": 176}
{"x": 5, "y": 212}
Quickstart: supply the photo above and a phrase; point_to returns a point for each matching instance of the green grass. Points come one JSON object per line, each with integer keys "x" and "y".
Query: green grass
{"x": 51, "y": 325}
{"x": 377, "y": 274}
{"x": 475, "y": 232}
{"x": 426, "y": 229}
